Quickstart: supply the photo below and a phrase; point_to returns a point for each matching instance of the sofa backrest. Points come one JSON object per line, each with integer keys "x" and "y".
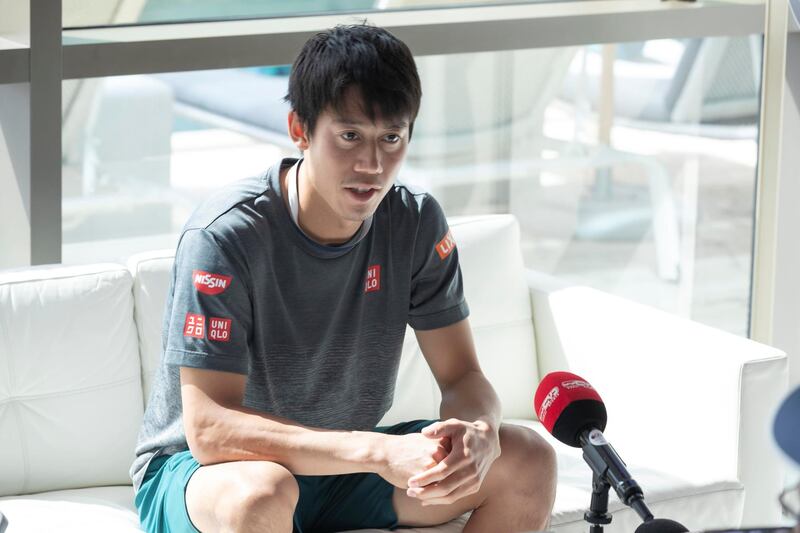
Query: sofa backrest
{"x": 495, "y": 289}
{"x": 70, "y": 381}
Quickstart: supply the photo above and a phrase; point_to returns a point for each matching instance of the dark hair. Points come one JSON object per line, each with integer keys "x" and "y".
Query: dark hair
{"x": 372, "y": 60}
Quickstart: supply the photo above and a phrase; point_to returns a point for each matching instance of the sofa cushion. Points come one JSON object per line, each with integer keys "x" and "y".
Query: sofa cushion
{"x": 710, "y": 504}
{"x": 151, "y": 274}
{"x": 500, "y": 317}
{"x": 494, "y": 286}
{"x": 92, "y": 510}
{"x": 70, "y": 384}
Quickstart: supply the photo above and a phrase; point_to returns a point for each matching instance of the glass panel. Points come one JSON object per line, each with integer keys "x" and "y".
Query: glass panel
{"x": 641, "y": 185}
{"x": 141, "y": 152}
{"x": 79, "y": 13}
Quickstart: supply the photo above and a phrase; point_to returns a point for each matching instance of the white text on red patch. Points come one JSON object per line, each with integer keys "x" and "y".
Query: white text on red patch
{"x": 194, "y": 326}
{"x": 219, "y": 329}
{"x": 373, "y": 279}
{"x": 446, "y": 246}
{"x": 209, "y": 283}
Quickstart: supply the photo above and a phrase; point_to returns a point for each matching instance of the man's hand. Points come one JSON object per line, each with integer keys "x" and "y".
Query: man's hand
{"x": 408, "y": 455}
{"x": 475, "y": 446}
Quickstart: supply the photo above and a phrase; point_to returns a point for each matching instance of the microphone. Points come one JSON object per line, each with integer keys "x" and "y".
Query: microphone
{"x": 573, "y": 412}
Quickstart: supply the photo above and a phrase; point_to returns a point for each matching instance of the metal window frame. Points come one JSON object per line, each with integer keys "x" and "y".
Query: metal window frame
{"x": 229, "y": 44}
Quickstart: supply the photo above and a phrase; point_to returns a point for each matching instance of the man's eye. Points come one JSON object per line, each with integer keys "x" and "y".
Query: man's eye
{"x": 392, "y": 138}
{"x": 349, "y": 136}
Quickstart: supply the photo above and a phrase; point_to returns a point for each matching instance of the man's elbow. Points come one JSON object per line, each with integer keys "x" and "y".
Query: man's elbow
{"x": 202, "y": 436}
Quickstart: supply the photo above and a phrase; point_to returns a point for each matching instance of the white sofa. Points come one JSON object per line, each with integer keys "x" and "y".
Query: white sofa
{"x": 689, "y": 406}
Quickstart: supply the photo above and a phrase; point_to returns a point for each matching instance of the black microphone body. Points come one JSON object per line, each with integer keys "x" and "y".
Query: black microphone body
{"x": 607, "y": 465}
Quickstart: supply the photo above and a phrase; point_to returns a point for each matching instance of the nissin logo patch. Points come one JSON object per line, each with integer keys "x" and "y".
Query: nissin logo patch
{"x": 209, "y": 283}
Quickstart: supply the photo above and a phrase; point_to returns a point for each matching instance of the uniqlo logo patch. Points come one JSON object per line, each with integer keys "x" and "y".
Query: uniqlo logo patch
{"x": 219, "y": 329}
{"x": 209, "y": 283}
{"x": 195, "y": 326}
{"x": 373, "y": 279}
{"x": 446, "y": 246}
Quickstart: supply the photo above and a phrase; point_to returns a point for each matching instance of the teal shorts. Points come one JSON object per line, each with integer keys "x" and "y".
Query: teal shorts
{"x": 327, "y": 503}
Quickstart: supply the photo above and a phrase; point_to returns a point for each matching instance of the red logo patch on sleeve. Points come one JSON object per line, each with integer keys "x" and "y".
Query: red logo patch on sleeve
{"x": 373, "y": 279}
{"x": 219, "y": 329}
{"x": 194, "y": 326}
{"x": 446, "y": 246}
{"x": 209, "y": 283}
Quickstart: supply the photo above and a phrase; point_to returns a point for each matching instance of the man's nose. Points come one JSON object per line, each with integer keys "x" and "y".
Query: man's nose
{"x": 369, "y": 160}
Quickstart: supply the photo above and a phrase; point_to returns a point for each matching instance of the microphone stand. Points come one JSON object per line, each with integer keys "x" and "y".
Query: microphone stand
{"x": 597, "y": 515}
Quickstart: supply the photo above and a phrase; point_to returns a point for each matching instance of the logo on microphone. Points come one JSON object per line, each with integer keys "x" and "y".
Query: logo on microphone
{"x": 576, "y": 384}
{"x": 209, "y": 283}
{"x": 547, "y": 402}
{"x": 597, "y": 438}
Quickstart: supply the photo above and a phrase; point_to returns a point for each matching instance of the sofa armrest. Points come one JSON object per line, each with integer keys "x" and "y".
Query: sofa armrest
{"x": 691, "y": 400}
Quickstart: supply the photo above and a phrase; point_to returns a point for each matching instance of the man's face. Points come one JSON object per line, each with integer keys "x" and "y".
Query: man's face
{"x": 352, "y": 160}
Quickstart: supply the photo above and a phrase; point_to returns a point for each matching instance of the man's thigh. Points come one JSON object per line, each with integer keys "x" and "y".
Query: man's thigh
{"x": 221, "y": 495}
{"x": 160, "y": 499}
{"x": 179, "y": 495}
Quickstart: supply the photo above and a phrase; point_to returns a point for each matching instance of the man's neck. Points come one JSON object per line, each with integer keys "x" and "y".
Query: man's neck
{"x": 315, "y": 218}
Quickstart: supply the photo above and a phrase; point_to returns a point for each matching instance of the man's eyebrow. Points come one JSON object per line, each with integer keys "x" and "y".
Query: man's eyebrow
{"x": 350, "y": 122}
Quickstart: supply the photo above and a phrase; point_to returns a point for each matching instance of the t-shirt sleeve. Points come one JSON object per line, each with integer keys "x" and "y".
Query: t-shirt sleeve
{"x": 209, "y": 323}
{"x": 437, "y": 292}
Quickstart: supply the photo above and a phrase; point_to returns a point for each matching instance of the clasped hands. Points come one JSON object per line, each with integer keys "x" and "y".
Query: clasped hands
{"x": 446, "y": 462}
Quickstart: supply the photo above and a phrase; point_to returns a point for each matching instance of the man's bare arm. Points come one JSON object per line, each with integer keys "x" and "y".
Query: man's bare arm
{"x": 471, "y": 412}
{"x": 219, "y": 429}
{"x": 466, "y": 393}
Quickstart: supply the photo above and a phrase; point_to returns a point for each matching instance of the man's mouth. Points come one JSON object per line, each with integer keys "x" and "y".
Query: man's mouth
{"x": 362, "y": 193}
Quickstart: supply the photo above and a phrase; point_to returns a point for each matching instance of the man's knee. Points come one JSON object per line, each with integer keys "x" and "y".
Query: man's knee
{"x": 525, "y": 452}
{"x": 530, "y": 473}
{"x": 255, "y": 496}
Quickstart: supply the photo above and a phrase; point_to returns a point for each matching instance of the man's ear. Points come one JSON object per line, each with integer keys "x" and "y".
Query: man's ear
{"x": 297, "y": 131}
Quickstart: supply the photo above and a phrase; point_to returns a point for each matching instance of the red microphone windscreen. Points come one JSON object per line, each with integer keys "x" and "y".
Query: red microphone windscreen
{"x": 558, "y": 391}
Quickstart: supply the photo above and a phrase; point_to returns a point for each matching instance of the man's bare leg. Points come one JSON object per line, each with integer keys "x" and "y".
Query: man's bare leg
{"x": 242, "y": 496}
{"x": 517, "y": 495}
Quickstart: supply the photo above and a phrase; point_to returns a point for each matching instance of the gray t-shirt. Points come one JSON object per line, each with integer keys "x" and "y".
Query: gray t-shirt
{"x": 318, "y": 330}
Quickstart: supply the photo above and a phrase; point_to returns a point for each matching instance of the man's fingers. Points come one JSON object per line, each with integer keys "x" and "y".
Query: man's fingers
{"x": 451, "y": 484}
{"x": 448, "y": 465}
{"x": 432, "y": 475}
{"x": 439, "y": 456}
{"x": 439, "y": 429}
{"x": 462, "y": 491}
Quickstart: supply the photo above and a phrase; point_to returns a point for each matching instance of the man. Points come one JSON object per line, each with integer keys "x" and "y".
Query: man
{"x": 283, "y": 330}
